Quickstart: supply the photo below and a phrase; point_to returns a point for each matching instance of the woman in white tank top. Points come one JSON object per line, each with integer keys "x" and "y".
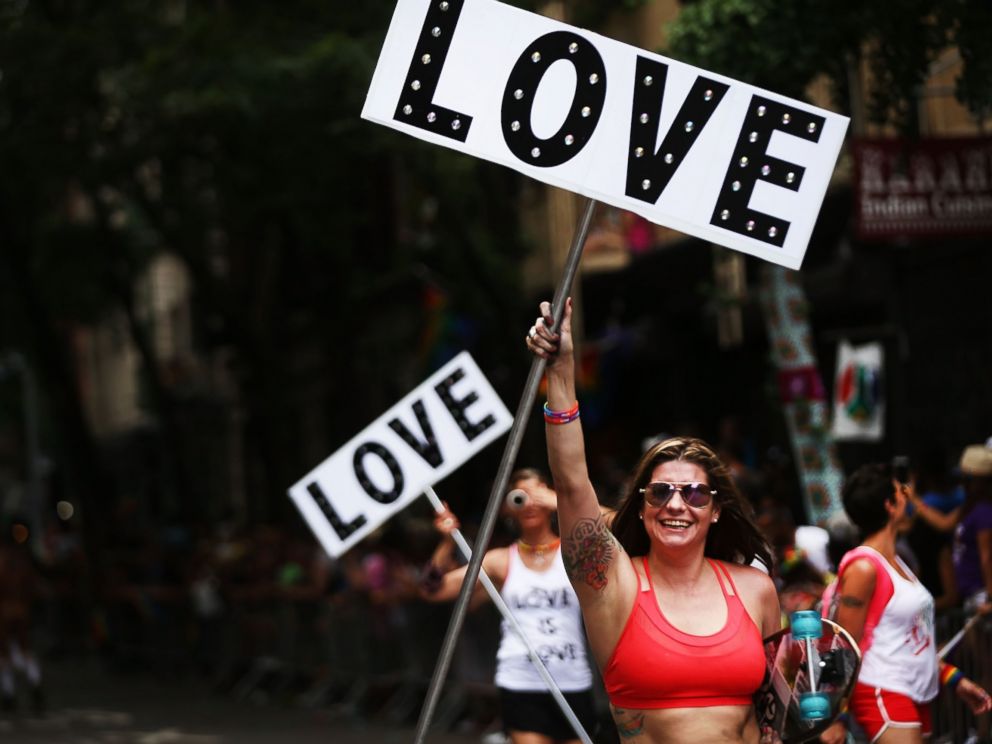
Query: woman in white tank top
{"x": 891, "y": 615}
{"x": 532, "y": 581}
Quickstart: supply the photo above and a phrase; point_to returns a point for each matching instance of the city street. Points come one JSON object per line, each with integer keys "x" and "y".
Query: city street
{"x": 674, "y": 314}
{"x": 87, "y": 705}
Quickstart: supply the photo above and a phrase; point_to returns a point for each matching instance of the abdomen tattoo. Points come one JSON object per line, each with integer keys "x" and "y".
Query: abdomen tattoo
{"x": 587, "y": 552}
{"x": 630, "y": 723}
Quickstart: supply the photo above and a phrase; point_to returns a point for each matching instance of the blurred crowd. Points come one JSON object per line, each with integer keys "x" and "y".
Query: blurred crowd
{"x": 262, "y": 613}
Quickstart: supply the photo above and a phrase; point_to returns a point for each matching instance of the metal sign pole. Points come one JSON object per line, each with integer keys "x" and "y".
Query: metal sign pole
{"x": 956, "y": 639}
{"x": 502, "y": 477}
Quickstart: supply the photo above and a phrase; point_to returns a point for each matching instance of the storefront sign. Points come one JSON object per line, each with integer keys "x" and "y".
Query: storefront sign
{"x": 927, "y": 188}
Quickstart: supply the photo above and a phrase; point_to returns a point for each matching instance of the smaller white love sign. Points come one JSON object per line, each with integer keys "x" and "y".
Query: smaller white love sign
{"x": 446, "y": 420}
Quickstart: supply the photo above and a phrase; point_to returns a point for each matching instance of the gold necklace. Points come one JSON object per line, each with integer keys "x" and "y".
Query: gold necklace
{"x": 539, "y": 551}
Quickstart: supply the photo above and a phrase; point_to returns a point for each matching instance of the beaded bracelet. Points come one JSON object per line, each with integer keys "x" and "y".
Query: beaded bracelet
{"x": 950, "y": 675}
{"x": 561, "y": 417}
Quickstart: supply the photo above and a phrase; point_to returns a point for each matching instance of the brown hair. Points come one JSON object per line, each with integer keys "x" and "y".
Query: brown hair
{"x": 522, "y": 474}
{"x": 735, "y": 537}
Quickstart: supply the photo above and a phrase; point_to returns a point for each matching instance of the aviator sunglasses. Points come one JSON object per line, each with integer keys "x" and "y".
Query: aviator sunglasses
{"x": 696, "y": 495}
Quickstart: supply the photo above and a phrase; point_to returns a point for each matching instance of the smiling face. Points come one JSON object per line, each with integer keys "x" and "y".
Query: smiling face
{"x": 675, "y": 524}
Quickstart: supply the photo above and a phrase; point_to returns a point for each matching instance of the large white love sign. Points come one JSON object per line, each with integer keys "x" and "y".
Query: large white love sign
{"x": 434, "y": 429}
{"x": 701, "y": 153}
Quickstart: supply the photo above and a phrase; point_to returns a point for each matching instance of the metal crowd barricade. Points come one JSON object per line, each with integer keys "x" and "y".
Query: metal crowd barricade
{"x": 339, "y": 651}
{"x": 146, "y": 628}
{"x": 952, "y": 720}
{"x": 357, "y": 659}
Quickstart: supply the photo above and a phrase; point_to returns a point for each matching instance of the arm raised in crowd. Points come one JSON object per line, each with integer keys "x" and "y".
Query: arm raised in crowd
{"x": 443, "y": 577}
{"x": 602, "y": 576}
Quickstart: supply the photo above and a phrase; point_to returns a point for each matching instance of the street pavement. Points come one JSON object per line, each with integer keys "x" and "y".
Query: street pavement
{"x": 88, "y": 705}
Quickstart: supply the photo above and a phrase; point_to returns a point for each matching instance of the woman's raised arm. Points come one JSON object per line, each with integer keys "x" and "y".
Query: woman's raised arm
{"x": 589, "y": 549}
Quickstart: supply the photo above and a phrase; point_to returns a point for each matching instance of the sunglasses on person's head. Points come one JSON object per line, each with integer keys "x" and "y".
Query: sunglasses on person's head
{"x": 696, "y": 495}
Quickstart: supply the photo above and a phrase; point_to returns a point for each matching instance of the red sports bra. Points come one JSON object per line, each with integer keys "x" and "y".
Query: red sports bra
{"x": 656, "y": 665}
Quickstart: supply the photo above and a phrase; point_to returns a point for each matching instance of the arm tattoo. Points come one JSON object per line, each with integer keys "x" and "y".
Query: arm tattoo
{"x": 587, "y": 551}
{"x": 630, "y": 723}
{"x": 848, "y": 601}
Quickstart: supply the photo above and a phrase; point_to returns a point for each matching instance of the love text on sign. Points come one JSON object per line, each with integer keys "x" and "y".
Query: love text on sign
{"x": 683, "y": 147}
{"x": 445, "y": 421}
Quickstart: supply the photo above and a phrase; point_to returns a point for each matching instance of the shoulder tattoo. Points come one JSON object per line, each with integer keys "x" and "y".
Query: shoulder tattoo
{"x": 848, "y": 601}
{"x": 587, "y": 552}
{"x": 630, "y": 723}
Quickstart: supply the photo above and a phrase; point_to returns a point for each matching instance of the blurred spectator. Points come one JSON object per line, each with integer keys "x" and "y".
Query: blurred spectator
{"x": 737, "y": 453}
{"x": 801, "y": 567}
{"x": 779, "y": 487}
{"x": 19, "y": 588}
{"x": 391, "y": 581}
{"x": 972, "y": 526}
{"x": 67, "y": 576}
{"x": 842, "y": 537}
{"x": 209, "y": 608}
{"x": 802, "y": 584}
{"x": 973, "y": 536}
{"x": 932, "y": 485}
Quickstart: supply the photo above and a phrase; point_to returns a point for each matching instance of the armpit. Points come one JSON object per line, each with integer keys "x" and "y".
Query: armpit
{"x": 588, "y": 551}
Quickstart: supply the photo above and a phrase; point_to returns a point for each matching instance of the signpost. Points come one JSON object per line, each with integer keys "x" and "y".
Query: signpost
{"x": 928, "y": 188}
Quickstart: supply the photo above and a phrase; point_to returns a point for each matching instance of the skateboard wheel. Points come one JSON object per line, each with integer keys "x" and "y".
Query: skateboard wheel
{"x": 806, "y": 624}
{"x": 814, "y": 706}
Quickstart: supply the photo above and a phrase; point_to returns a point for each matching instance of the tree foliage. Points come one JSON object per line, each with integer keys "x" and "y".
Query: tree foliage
{"x": 785, "y": 46}
{"x": 229, "y": 134}
{"x": 328, "y": 255}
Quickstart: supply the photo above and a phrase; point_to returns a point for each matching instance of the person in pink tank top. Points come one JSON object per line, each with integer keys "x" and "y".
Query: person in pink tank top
{"x": 674, "y": 612}
{"x": 891, "y": 616}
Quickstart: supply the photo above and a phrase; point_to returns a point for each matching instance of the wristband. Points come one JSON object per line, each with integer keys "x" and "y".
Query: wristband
{"x": 950, "y": 676}
{"x": 561, "y": 417}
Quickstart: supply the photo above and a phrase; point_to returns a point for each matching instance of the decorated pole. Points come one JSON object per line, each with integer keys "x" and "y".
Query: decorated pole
{"x": 507, "y": 614}
{"x": 801, "y": 390}
{"x": 488, "y": 523}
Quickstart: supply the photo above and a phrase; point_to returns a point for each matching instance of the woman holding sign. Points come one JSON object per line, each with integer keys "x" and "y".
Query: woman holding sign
{"x": 674, "y": 614}
{"x": 533, "y": 584}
